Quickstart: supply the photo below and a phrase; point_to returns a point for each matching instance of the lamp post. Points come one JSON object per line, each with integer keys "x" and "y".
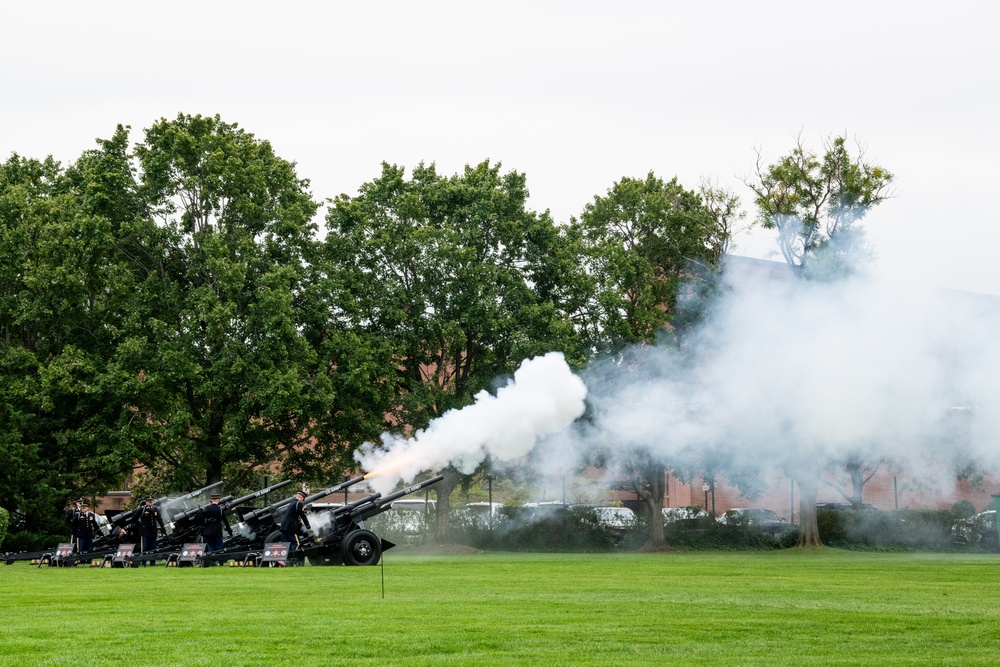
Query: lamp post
{"x": 705, "y": 487}
{"x": 489, "y": 482}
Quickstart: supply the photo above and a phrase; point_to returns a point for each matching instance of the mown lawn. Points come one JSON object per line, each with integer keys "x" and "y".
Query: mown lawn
{"x": 700, "y": 609}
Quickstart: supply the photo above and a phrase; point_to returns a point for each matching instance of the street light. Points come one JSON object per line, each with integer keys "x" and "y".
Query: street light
{"x": 705, "y": 488}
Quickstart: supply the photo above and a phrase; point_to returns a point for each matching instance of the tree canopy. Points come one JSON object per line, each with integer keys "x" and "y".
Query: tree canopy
{"x": 643, "y": 242}
{"x": 816, "y": 203}
{"x": 456, "y": 279}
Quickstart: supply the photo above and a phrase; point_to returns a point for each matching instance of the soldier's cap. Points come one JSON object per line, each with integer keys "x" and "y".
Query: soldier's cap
{"x": 148, "y": 499}
{"x": 81, "y": 500}
{"x": 84, "y": 503}
{"x": 300, "y": 492}
{"x": 215, "y": 496}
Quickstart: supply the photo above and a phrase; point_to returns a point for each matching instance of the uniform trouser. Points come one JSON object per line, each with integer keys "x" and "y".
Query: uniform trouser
{"x": 213, "y": 543}
{"x": 148, "y": 541}
{"x": 293, "y": 538}
{"x": 84, "y": 544}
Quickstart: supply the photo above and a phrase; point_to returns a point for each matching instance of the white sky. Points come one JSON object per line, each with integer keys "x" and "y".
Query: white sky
{"x": 575, "y": 94}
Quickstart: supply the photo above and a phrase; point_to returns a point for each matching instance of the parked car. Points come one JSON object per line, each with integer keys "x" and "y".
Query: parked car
{"x": 544, "y": 508}
{"x": 765, "y": 519}
{"x": 671, "y": 514}
{"x": 415, "y": 505}
{"x": 408, "y": 520}
{"x": 480, "y": 515}
{"x": 978, "y": 529}
{"x": 843, "y": 506}
{"x": 618, "y": 519}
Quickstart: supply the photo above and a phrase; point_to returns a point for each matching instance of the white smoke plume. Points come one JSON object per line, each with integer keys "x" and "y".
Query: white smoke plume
{"x": 543, "y": 398}
{"x": 798, "y": 376}
{"x": 786, "y": 375}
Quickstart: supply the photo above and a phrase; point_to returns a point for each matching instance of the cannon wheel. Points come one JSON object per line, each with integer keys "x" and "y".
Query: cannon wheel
{"x": 362, "y": 547}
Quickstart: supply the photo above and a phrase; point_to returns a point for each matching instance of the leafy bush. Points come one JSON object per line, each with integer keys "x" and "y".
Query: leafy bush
{"x": 403, "y": 526}
{"x": 963, "y": 509}
{"x": 886, "y": 530}
{"x": 527, "y": 529}
{"x": 708, "y": 534}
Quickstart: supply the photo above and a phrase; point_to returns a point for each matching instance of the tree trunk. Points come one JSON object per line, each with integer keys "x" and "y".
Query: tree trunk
{"x": 442, "y": 532}
{"x": 808, "y": 526}
{"x": 652, "y": 494}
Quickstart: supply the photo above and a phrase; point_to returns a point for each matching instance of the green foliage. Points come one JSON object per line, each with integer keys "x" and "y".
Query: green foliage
{"x": 455, "y": 281}
{"x": 816, "y": 202}
{"x": 59, "y": 302}
{"x": 225, "y": 359}
{"x": 455, "y": 275}
{"x": 706, "y": 533}
{"x": 924, "y": 530}
{"x": 963, "y": 509}
{"x": 4, "y": 523}
{"x": 639, "y": 241}
{"x": 561, "y": 530}
{"x": 512, "y": 529}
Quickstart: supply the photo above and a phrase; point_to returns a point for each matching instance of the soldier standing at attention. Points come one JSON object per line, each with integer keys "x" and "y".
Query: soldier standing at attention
{"x": 213, "y": 519}
{"x": 294, "y": 518}
{"x": 149, "y": 521}
{"x": 72, "y": 514}
{"x": 85, "y": 528}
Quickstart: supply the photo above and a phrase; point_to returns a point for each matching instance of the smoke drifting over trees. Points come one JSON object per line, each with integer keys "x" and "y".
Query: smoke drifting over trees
{"x": 792, "y": 376}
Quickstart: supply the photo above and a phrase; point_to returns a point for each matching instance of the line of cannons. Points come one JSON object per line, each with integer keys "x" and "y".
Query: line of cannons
{"x": 337, "y": 537}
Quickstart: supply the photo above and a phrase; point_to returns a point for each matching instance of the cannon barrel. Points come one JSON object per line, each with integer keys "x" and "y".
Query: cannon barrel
{"x": 382, "y": 504}
{"x": 195, "y": 511}
{"x": 265, "y": 512}
{"x": 122, "y": 519}
{"x": 256, "y": 494}
{"x": 410, "y": 489}
{"x": 333, "y": 489}
{"x": 350, "y": 507}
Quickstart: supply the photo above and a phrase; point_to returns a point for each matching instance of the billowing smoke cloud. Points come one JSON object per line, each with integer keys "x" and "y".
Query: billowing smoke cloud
{"x": 797, "y": 375}
{"x": 544, "y": 397}
{"x": 788, "y": 375}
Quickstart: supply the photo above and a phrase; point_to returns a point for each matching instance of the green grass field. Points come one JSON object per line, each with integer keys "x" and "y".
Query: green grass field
{"x": 768, "y": 608}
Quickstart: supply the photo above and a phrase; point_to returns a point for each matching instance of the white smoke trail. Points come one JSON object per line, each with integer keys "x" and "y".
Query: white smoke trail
{"x": 797, "y": 375}
{"x": 543, "y": 398}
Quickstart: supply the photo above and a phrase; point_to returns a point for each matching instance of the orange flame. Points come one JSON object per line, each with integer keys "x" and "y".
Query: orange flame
{"x": 392, "y": 467}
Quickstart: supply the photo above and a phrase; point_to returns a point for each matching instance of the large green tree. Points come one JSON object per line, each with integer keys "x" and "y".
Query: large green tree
{"x": 61, "y": 295}
{"x": 457, "y": 278}
{"x": 222, "y": 362}
{"x": 648, "y": 244}
{"x": 815, "y": 201}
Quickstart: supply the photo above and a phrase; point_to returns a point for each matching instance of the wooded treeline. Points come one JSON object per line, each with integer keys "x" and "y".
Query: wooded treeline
{"x": 173, "y": 303}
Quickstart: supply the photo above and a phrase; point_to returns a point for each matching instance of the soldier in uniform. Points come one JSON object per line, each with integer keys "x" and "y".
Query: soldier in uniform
{"x": 149, "y": 522}
{"x": 84, "y": 529}
{"x": 72, "y": 513}
{"x": 294, "y": 517}
{"x": 213, "y": 518}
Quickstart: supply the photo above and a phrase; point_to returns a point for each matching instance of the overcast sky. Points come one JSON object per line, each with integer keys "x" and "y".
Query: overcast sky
{"x": 574, "y": 94}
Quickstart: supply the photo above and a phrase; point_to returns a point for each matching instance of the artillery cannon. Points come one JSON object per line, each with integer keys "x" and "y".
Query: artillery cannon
{"x": 107, "y": 542}
{"x": 261, "y": 523}
{"x": 341, "y": 536}
{"x": 126, "y": 522}
{"x": 187, "y": 525}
